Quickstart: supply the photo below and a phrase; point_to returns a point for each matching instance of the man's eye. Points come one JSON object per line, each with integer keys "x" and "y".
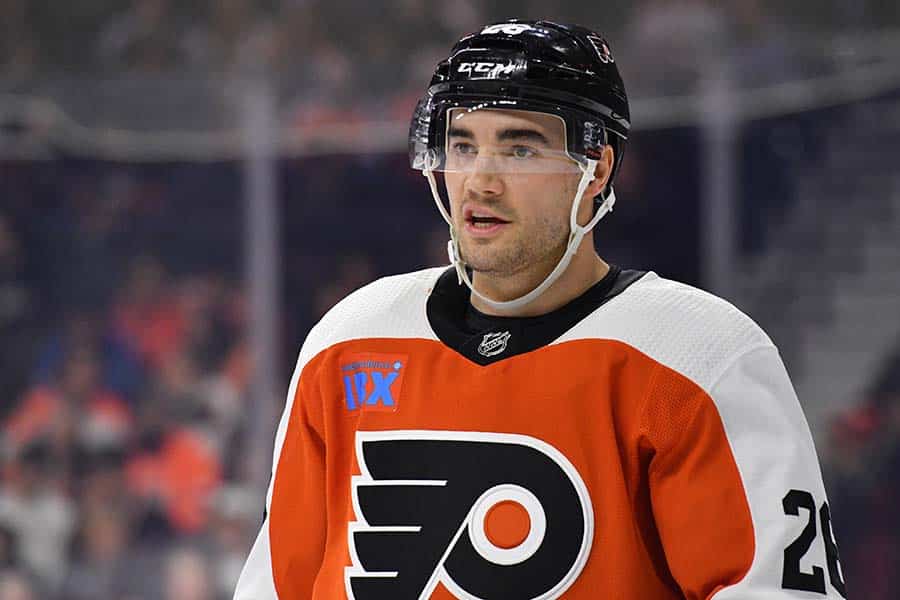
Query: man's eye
{"x": 463, "y": 148}
{"x": 523, "y": 152}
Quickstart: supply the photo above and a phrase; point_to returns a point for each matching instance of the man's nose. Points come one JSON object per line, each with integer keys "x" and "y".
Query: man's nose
{"x": 484, "y": 179}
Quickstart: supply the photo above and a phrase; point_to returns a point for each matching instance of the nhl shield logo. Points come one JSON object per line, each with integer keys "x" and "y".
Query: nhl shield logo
{"x": 493, "y": 343}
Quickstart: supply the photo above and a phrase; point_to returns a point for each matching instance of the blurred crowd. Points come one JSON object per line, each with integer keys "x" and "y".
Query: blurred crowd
{"x": 123, "y": 471}
{"x": 863, "y": 481}
{"x": 328, "y": 50}
{"x": 127, "y": 468}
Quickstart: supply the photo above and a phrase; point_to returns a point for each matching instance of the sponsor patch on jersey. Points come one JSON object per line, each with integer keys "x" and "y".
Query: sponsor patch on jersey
{"x": 372, "y": 381}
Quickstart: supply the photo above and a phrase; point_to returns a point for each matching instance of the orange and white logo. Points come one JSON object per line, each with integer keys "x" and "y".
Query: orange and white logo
{"x": 487, "y": 515}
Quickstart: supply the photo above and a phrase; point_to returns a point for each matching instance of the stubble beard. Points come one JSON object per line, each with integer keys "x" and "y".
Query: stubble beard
{"x": 544, "y": 244}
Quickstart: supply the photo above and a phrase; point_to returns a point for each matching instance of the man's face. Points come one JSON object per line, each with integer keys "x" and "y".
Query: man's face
{"x": 509, "y": 216}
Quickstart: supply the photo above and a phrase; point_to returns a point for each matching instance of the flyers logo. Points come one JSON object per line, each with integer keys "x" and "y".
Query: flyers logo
{"x": 486, "y": 515}
{"x": 602, "y": 48}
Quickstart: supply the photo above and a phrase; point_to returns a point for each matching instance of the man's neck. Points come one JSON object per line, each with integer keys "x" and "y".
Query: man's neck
{"x": 585, "y": 270}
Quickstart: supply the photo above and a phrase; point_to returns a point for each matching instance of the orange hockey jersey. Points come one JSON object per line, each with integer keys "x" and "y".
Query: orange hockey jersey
{"x": 642, "y": 442}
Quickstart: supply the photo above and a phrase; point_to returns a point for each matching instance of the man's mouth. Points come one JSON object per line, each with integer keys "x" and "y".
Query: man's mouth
{"x": 481, "y": 219}
{"x": 485, "y": 222}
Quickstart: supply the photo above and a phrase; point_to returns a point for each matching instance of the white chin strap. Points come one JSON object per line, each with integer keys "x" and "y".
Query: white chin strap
{"x": 576, "y": 234}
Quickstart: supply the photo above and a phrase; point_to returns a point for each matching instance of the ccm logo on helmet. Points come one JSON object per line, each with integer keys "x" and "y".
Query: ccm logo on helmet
{"x": 489, "y": 69}
{"x": 486, "y": 515}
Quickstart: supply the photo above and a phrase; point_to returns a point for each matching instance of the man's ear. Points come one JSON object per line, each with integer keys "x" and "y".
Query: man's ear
{"x": 601, "y": 173}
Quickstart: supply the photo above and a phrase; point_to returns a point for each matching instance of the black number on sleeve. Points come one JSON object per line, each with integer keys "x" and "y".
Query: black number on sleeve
{"x": 831, "y": 552}
{"x": 792, "y": 578}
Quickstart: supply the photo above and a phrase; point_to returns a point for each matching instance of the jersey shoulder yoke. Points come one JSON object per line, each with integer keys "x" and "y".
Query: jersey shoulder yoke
{"x": 390, "y": 307}
{"x": 682, "y": 327}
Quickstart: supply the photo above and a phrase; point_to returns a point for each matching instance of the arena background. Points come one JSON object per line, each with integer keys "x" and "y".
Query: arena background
{"x": 185, "y": 187}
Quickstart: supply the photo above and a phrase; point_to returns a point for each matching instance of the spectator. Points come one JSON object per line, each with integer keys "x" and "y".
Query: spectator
{"x": 100, "y": 558}
{"x": 148, "y": 316}
{"x": 325, "y": 75}
{"x": 187, "y": 576}
{"x": 16, "y": 586}
{"x": 9, "y": 548}
{"x": 761, "y": 52}
{"x": 235, "y": 518}
{"x": 101, "y": 481}
{"x": 40, "y": 515}
{"x": 144, "y": 39}
{"x": 17, "y": 309}
{"x": 174, "y": 472}
{"x": 204, "y": 300}
{"x": 89, "y": 236}
{"x": 351, "y": 273}
{"x": 76, "y": 410}
{"x": 232, "y": 33}
{"x": 674, "y": 41}
{"x": 176, "y": 390}
{"x": 19, "y": 50}
{"x": 120, "y": 366}
{"x": 223, "y": 394}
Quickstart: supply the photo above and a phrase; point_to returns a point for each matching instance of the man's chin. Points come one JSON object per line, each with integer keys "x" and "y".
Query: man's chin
{"x": 496, "y": 260}
{"x": 487, "y": 265}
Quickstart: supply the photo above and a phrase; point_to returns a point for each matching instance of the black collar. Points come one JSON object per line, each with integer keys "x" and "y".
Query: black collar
{"x": 486, "y": 339}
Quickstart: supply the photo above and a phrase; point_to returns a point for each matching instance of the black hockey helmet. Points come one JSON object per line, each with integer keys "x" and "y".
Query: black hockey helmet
{"x": 564, "y": 70}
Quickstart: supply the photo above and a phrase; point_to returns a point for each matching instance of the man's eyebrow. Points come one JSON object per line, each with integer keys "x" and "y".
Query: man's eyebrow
{"x": 460, "y": 132}
{"x": 533, "y": 135}
{"x": 504, "y": 135}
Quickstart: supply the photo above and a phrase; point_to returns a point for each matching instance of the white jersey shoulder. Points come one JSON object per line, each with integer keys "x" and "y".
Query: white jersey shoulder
{"x": 390, "y": 307}
{"x": 682, "y": 327}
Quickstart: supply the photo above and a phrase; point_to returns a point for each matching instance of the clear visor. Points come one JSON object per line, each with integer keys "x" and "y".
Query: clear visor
{"x": 500, "y": 141}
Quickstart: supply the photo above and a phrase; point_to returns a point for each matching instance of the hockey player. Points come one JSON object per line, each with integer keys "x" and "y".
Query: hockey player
{"x": 531, "y": 422}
